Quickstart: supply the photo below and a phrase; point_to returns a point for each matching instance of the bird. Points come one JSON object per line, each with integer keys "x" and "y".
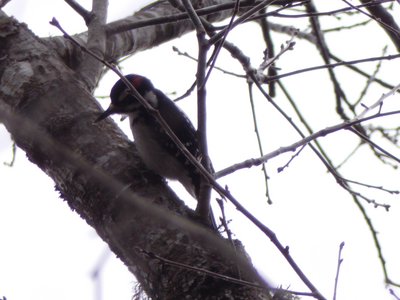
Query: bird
{"x": 155, "y": 147}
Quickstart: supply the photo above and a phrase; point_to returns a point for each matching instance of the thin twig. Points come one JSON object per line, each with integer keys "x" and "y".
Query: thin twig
{"x": 320, "y": 14}
{"x": 280, "y": 169}
{"x": 376, "y": 241}
{"x": 185, "y": 54}
{"x": 346, "y": 159}
{"x": 303, "y": 121}
{"x": 339, "y": 263}
{"x": 224, "y": 220}
{"x": 222, "y": 41}
{"x": 341, "y": 28}
{"x": 268, "y": 62}
{"x": 258, "y": 136}
{"x": 379, "y": 102}
{"x": 373, "y": 144}
{"x": 391, "y": 290}
{"x": 224, "y": 223}
{"x": 269, "y": 52}
{"x": 333, "y": 65}
{"x": 371, "y": 186}
{"x": 370, "y": 79}
{"x": 368, "y": 200}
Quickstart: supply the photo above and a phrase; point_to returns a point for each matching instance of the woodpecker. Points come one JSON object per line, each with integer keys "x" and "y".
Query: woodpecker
{"x": 157, "y": 150}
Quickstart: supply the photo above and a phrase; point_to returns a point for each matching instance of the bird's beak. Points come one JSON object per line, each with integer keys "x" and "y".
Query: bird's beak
{"x": 108, "y": 112}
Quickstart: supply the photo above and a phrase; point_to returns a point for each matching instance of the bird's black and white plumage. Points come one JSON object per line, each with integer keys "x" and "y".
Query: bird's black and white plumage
{"x": 155, "y": 147}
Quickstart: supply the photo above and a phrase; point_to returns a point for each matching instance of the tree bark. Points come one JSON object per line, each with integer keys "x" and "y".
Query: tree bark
{"x": 49, "y": 111}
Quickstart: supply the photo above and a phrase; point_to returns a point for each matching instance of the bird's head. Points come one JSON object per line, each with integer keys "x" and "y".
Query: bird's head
{"x": 122, "y": 99}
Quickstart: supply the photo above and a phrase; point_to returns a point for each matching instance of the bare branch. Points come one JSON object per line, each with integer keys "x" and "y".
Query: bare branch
{"x": 85, "y": 14}
{"x": 374, "y": 187}
{"x": 280, "y": 169}
{"x": 366, "y": 139}
{"x": 379, "y": 102}
{"x": 333, "y": 65}
{"x": 370, "y": 80}
{"x": 242, "y": 19}
{"x": 269, "y": 52}
{"x": 288, "y": 46}
{"x": 203, "y": 203}
{"x": 319, "y": 14}
{"x": 321, "y": 133}
{"x": 391, "y": 290}
{"x": 324, "y": 51}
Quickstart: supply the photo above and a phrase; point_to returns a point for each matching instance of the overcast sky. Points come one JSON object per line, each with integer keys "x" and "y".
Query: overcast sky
{"x": 48, "y": 252}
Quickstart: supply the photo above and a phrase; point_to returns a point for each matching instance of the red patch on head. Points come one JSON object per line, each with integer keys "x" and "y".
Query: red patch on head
{"x": 137, "y": 81}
